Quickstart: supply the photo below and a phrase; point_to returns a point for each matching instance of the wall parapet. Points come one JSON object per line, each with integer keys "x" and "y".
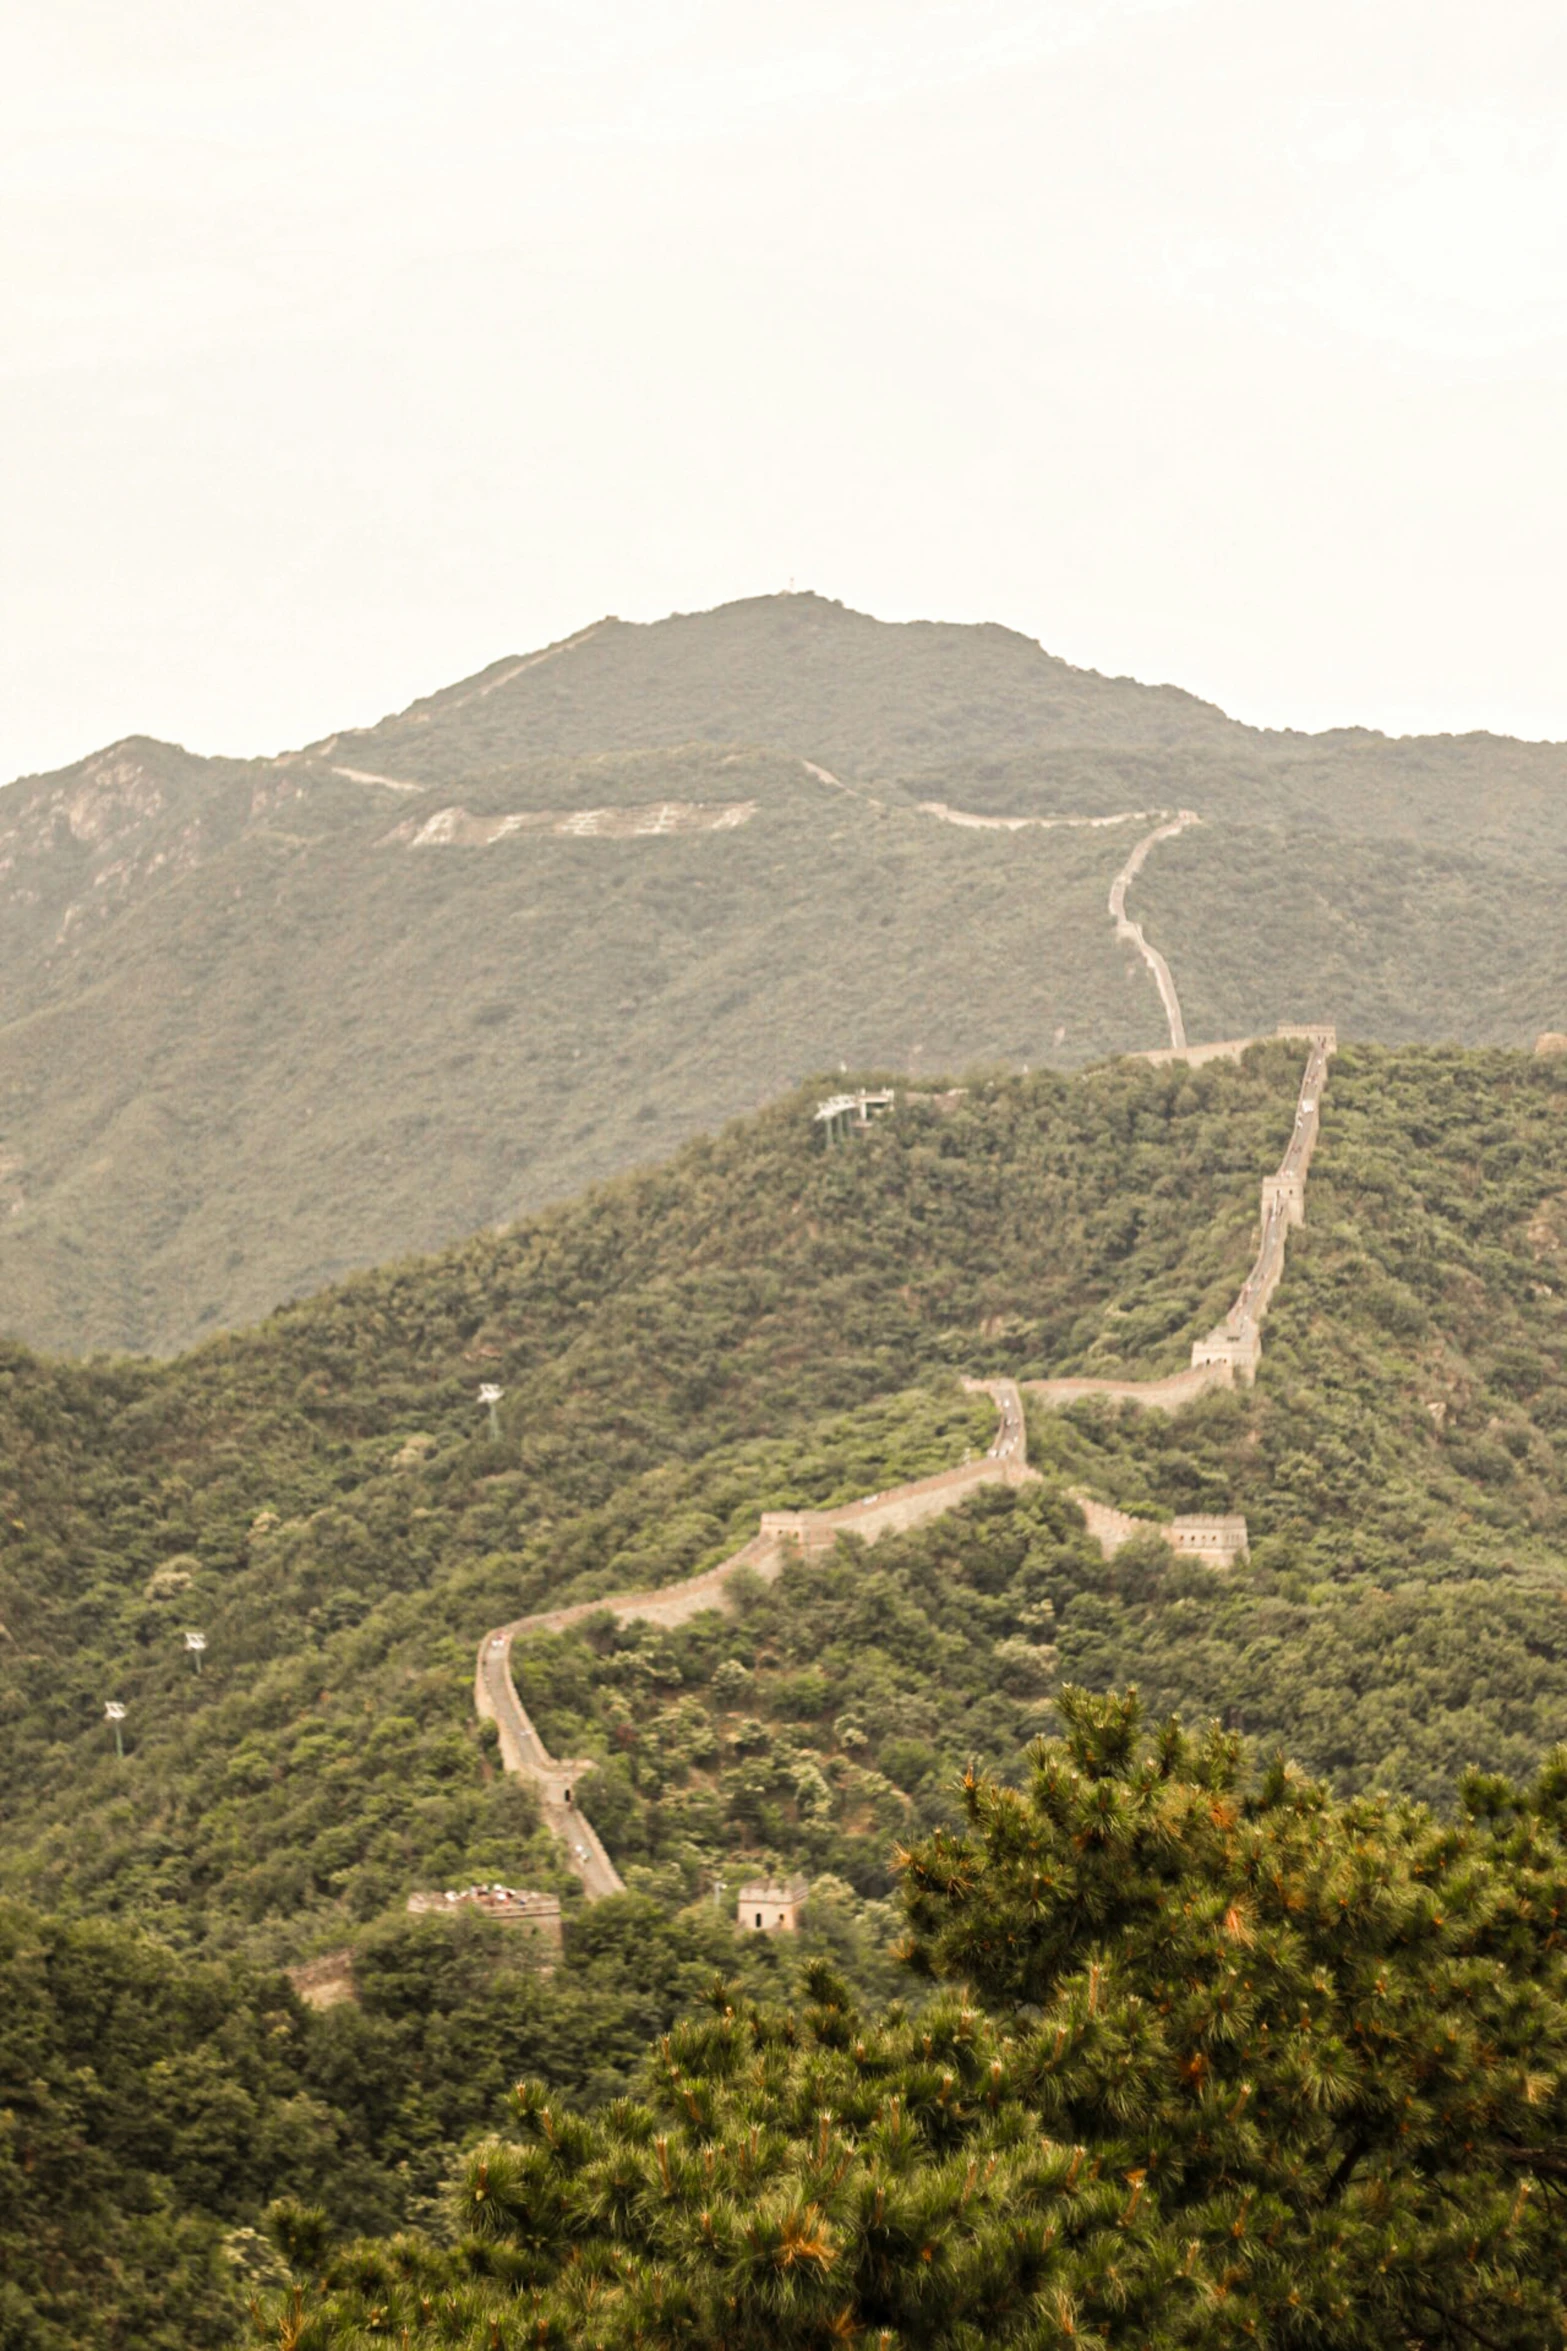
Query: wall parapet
{"x": 782, "y": 1534}
{"x": 1221, "y": 1540}
{"x": 515, "y": 1906}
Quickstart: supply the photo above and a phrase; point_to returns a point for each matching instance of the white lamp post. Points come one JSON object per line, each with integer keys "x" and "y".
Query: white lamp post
{"x": 114, "y": 1712}
{"x": 195, "y": 1643}
{"x": 491, "y": 1395}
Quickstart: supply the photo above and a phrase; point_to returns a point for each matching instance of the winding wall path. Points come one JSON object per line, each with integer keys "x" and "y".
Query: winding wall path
{"x": 1126, "y": 928}
{"x": 784, "y": 1534}
{"x": 1170, "y": 823}
{"x": 1233, "y": 1348}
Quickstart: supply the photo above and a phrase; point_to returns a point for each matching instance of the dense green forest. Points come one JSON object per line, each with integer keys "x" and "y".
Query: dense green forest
{"x": 1214, "y": 2060}
{"x": 758, "y": 1323}
{"x": 323, "y": 1499}
{"x": 153, "y": 2107}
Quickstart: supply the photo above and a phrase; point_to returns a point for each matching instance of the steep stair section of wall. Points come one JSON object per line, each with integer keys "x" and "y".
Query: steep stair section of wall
{"x": 1231, "y": 1351}
{"x": 1234, "y": 1347}
{"x": 784, "y": 1534}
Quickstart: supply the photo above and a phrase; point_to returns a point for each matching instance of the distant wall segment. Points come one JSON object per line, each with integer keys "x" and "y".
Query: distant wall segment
{"x": 1228, "y": 1355}
{"x": 1127, "y": 928}
{"x": 1166, "y": 1395}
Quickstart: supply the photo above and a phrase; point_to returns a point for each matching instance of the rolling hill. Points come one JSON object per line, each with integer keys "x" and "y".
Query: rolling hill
{"x": 759, "y": 1323}
{"x": 268, "y": 1020}
{"x": 764, "y": 1324}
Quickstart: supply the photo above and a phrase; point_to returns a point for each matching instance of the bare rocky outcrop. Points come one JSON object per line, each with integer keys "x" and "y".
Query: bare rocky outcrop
{"x": 327, "y": 1981}
{"x": 456, "y": 828}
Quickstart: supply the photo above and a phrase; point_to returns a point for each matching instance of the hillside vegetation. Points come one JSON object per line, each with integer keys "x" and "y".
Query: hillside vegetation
{"x": 765, "y": 1323}
{"x": 1216, "y": 2062}
{"x": 268, "y": 1020}
{"x": 759, "y": 1323}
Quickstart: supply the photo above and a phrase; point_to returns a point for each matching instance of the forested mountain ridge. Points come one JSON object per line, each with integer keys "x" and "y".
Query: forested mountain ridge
{"x": 761, "y": 1323}
{"x": 269, "y": 1019}
{"x": 764, "y": 1324}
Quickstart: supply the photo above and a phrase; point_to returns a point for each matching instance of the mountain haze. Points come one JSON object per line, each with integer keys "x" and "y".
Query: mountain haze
{"x": 266, "y": 1020}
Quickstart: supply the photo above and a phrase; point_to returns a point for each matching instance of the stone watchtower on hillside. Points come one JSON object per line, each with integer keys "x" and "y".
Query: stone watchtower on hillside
{"x": 1236, "y": 1351}
{"x": 1287, "y": 1192}
{"x": 771, "y": 1906}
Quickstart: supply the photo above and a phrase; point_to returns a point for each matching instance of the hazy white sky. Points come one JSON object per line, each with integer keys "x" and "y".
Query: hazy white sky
{"x": 347, "y": 344}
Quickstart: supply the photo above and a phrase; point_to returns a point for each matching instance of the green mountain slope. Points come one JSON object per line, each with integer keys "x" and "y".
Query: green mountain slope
{"x": 379, "y": 1047}
{"x": 265, "y": 1021}
{"x": 759, "y": 1323}
{"x": 683, "y": 1351}
{"x": 1213, "y": 2060}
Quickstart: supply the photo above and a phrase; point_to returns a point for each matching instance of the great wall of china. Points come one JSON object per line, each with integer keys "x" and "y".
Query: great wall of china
{"x": 1126, "y": 928}
{"x": 1228, "y": 1354}
{"x": 784, "y": 1534}
{"x": 1232, "y": 1349}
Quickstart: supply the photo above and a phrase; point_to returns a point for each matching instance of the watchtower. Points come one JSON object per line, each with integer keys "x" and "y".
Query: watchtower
{"x": 1287, "y": 1192}
{"x": 771, "y": 1906}
{"x": 1235, "y": 1351}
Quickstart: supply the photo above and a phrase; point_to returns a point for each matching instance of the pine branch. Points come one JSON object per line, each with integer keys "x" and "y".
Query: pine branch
{"x": 1447, "y": 2317}
{"x": 1342, "y": 2170}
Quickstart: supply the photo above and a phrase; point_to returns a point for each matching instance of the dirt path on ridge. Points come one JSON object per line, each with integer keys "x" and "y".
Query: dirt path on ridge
{"x": 1126, "y": 928}
{"x": 1170, "y": 823}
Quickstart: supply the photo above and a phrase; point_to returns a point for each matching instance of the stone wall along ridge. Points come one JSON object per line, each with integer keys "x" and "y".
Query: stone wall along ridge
{"x": 1126, "y": 928}
{"x": 1229, "y": 1354}
{"x": 1218, "y": 1539}
{"x": 1231, "y": 1350}
{"x": 783, "y": 1534}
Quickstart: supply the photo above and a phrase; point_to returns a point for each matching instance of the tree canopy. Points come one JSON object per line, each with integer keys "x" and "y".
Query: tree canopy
{"x": 1213, "y": 2059}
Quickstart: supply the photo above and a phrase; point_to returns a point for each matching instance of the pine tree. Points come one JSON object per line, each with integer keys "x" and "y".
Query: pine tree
{"x": 1211, "y": 2059}
{"x": 1330, "y": 2037}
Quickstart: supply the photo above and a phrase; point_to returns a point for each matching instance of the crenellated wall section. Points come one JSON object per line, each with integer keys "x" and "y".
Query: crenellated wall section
{"x": 1228, "y": 1353}
{"x": 783, "y": 1534}
{"x": 1220, "y": 1540}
